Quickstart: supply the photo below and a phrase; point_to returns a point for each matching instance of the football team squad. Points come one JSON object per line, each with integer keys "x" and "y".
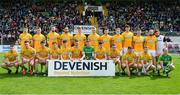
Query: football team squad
{"x": 131, "y": 54}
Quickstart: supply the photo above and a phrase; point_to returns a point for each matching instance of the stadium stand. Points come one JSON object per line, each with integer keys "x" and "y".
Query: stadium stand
{"x": 15, "y": 14}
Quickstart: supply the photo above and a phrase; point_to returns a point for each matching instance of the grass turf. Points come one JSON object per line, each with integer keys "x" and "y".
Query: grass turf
{"x": 18, "y": 84}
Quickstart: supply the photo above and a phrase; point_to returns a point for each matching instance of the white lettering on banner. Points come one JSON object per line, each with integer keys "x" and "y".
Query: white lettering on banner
{"x": 86, "y": 29}
{"x": 94, "y": 8}
{"x": 81, "y": 68}
{"x": 6, "y": 48}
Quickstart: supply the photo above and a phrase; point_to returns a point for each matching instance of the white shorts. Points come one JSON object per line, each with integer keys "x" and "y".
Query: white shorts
{"x": 121, "y": 53}
{"x": 168, "y": 66}
{"x": 152, "y": 52}
{"x": 24, "y": 60}
{"x": 125, "y": 50}
{"x": 146, "y": 65}
{"x": 159, "y": 53}
{"x": 138, "y": 53}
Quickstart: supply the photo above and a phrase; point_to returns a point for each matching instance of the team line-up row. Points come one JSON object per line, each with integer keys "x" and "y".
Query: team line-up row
{"x": 136, "y": 53}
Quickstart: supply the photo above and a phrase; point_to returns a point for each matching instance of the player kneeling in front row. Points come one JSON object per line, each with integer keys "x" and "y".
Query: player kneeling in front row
{"x": 42, "y": 58}
{"x": 145, "y": 63}
{"x": 76, "y": 52}
{"x": 88, "y": 51}
{"x": 100, "y": 52}
{"x": 114, "y": 55}
{"x": 55, "y": 52}
{"x": 166, "y": 63}
{"x": 27, "y": 56}
{"x": 129, "y": 61}
{"x": 11, "y": 59}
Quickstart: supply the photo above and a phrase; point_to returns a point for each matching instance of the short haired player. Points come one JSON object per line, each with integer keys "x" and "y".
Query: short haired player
{"x": 76, "y": 52}
{"x": 27, "y": 56}
{"x": 145, "y": 63}
{"x": 165, "y": 62}
{"x": 42, "y": 58}
{"x": 100, "y": 52}
{"x": 114, "y": 54}
{"x": 10, "y": 60}
{"x": 129, "y": 61}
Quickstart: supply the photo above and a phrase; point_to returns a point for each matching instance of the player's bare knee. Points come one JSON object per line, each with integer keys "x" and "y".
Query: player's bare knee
{"x": 36, "y": 60}
{"x": 123, "y": 66}
{"x": 159, "y": 67}
{"x": 172, "y": 67}
{"x": 139, "y": 66}
{"x": 3, "y": 65}
{"x": 135, "y": 66}
{"x": 153, "y": 67}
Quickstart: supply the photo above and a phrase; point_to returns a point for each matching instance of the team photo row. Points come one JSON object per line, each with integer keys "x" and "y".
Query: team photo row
{"x": 132, "y": 53}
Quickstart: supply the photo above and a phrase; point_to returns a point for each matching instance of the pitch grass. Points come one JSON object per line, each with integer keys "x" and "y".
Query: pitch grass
{"x": 18, "y": 84}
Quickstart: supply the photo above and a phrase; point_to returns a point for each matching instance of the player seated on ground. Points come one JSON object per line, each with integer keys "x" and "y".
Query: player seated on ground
{"x": 129, "y": 61}
{"x": 11, "y": 59}
{"x": 65, "y": 51}
{"x": 55, "y": 51}
{"x": 165, "y": 63}
{"x": 27, "y": 56}
{"x": 88, "y": 51}
{"x": 114, "y": 54}
{"x": 42, "y": 56}
{"x": 100, "y": 52}
{"x": 76, "y": 52}
{"x": 145, "y": 63}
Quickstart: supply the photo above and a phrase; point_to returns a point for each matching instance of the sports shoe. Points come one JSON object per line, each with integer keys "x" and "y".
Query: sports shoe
{"x": 35, "y": 74}
{"x": 24, "y": 72}
{"x": 158, "y": 72}
{"x": 16, "y": 72}
{"x": 31, "y": 72}
{"x": 122, "y": 73}
{"x": 9, "y": 71}
{"x": 167, "y": 74}
{"x": 44, "y": 74}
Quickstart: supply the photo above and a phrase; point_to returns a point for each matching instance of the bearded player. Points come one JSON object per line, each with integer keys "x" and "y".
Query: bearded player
{"x": 52, "y": 36}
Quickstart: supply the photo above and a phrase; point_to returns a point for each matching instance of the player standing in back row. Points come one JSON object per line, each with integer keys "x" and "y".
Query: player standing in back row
{"x": 52, "y": 36}
{"x": 128, "y": 37}
{"x": 25, "y": 36}
{"x": 66, "y": 36}
{"x": 93, "y": 38}
{"x": 106, "y": 39}
{"x": 37, "y": 38}
{"x": 80, "y": 37}
{"x": 151, "y": 44}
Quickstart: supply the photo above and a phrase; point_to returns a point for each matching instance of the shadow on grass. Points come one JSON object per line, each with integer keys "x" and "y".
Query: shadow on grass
{"x": 154, "y": 77}
{"x": 19, "y": 75}
{"x": 117, "y": 76}
{"x": 5, "y": 75}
